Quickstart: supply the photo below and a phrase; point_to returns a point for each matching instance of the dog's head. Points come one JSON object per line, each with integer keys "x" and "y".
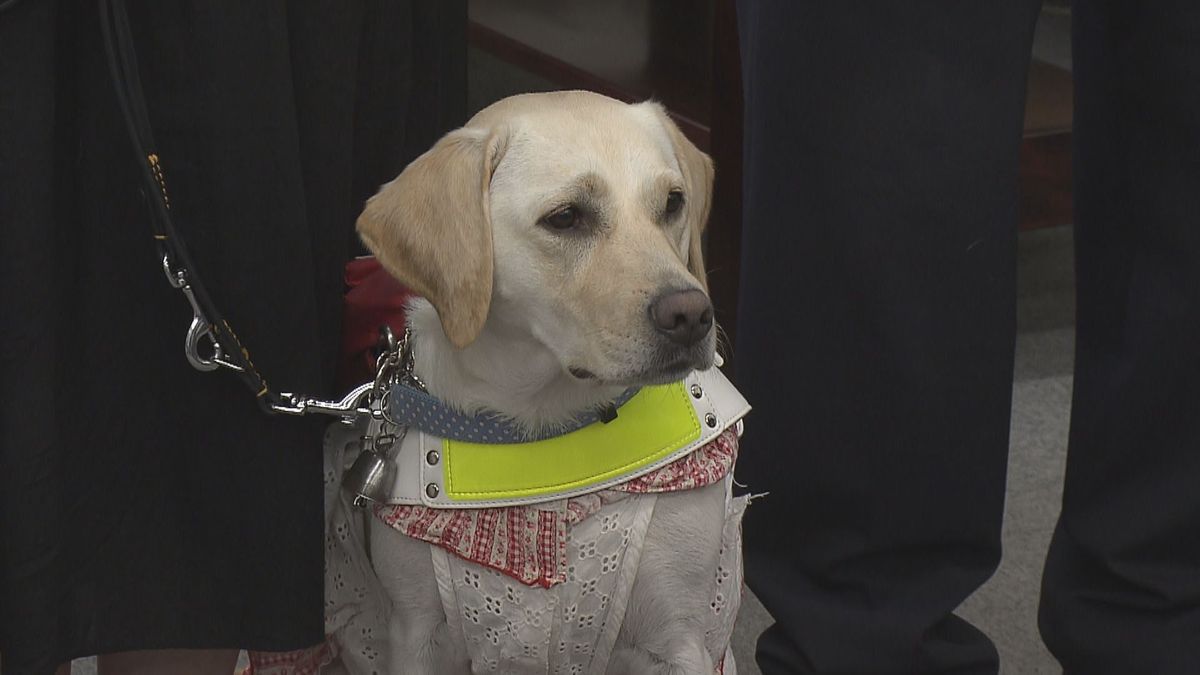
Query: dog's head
{"x": 571, "y": 216}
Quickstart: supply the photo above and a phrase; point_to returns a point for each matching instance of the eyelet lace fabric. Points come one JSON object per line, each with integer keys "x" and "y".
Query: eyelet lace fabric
{"x": 507, "y": 627}
{"x": 507, "y": 618}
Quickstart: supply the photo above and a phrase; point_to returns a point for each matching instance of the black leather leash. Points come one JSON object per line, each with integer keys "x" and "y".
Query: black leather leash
{"x": 224, "y": 349}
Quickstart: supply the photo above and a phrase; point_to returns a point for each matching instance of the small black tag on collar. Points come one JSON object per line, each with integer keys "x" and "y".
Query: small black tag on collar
{"x": 608, "y": 413}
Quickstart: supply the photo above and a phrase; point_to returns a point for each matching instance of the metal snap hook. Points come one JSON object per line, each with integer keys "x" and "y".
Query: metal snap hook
{"x": 177, "y": 278}
{"x": 198, "y": 331}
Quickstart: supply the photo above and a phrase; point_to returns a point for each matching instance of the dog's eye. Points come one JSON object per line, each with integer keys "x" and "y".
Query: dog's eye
{"x": 674, "y": 202}
{"x": 562, "y": 219}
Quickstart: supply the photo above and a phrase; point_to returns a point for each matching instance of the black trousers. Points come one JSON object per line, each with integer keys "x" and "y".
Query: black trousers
{"x": 876, "y": 332}
{"x": 145, "y": 505}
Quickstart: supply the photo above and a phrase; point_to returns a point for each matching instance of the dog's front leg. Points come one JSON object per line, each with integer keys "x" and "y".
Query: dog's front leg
{"x": 663, "y": 630}
{"x": 418, "y": 637}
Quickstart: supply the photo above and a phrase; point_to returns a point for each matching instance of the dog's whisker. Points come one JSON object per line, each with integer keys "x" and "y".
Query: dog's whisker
{"x": 724, "y": 344}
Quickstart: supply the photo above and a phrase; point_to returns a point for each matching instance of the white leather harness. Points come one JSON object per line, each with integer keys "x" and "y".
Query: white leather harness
{"x": 420, "y": 480}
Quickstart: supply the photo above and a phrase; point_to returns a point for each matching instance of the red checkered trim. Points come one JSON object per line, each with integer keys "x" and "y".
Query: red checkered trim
{"x": 525, "y": 543}
{"x": 300, "y": 662}
{"x": 704, "y": 466}
{"x": 530, "y": 544}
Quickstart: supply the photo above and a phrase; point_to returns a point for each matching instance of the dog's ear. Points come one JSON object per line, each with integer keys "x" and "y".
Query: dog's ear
{"x": 697, "y": 169}
{"x": 431, "y": 229}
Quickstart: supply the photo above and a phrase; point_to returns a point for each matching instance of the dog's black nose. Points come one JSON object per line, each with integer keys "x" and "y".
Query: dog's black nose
{"x": 683, "y": 316}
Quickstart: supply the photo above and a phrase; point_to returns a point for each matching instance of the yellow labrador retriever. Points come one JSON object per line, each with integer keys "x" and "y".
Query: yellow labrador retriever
{"x": 556, "y": 241}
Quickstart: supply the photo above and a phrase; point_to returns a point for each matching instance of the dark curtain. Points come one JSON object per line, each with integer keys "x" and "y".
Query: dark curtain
{"x": 144, "y": 504}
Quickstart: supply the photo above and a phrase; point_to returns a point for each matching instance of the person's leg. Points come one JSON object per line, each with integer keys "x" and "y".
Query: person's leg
{"x": 1121, "y": 591}
{"x": 169, "y": 662}
{"x": 876, "y": 323}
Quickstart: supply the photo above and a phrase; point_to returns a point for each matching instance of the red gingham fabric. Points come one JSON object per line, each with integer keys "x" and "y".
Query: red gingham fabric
{"x": 299, "y": 662}
{"x": 704, "y": 466}
{"x": 529, "y": 543}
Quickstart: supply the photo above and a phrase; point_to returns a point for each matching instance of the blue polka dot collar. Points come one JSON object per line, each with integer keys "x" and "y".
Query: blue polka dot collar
{"x": 410, "y": 407}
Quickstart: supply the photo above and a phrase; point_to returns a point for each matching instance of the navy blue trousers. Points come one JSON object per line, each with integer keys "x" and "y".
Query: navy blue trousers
{"x": 876, "y": 332}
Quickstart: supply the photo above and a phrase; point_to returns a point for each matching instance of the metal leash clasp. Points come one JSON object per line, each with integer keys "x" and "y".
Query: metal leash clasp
{"x": 352, "y": 405}
{"x": 200, "y": 328}
{"x": 393, "y": 365}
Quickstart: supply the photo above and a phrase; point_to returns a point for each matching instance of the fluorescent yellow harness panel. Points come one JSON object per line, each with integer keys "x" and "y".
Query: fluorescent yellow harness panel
{"x": 651, "y": 425}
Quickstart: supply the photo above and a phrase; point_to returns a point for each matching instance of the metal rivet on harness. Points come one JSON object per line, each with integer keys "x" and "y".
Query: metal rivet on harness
{"x": 711, "y": 420}
{"x": 608, "y": 413}
{"x": 697, "y": 392}
{"x": 432, "y": 457}
{"x": 432, "y": 490}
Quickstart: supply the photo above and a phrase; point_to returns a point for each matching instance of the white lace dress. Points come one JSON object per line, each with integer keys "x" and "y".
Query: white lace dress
{"x": 525, "y": 589}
